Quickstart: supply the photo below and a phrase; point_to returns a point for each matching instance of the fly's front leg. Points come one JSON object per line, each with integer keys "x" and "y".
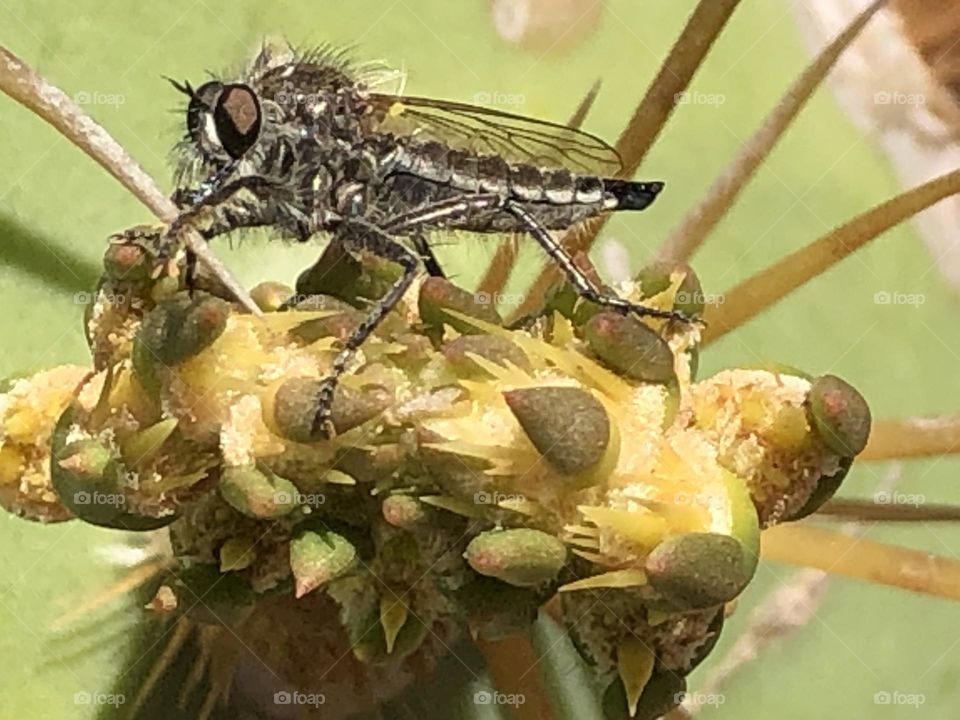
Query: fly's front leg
{"x": 220, "y": 212}
{"x": 581, "y": 283}
{"x": 215, "y": 202}
{"x": 358, "y": 236}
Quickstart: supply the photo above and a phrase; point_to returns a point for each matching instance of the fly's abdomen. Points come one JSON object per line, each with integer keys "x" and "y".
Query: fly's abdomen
{"x": 526, "y": 183}
{"x": 630, "y": 194}
{"x": 431, "y": 171}
{"x": 561, "y": 188}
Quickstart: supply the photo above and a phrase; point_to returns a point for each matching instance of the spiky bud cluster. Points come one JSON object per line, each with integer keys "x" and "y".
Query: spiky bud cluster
{"x": 476, "y": 471}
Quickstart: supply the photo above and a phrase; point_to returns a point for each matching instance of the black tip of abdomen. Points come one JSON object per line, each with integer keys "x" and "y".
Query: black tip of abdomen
{"x": 632, "y": 195}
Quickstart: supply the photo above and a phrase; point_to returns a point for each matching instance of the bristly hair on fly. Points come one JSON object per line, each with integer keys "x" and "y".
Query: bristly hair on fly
{"x": 191, "y": 166}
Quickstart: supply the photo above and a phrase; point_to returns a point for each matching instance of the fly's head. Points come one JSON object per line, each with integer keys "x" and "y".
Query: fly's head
{"x": 265, "y": 122}
{"x": 225, "y": 124}
{"x": 224, "y": 121}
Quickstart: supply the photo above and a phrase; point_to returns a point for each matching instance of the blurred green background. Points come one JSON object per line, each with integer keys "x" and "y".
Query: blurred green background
{"x": 57, "y": 208}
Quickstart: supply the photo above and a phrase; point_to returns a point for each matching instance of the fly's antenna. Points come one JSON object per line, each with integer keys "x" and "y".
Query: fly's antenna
{"x": 183, "y": 87}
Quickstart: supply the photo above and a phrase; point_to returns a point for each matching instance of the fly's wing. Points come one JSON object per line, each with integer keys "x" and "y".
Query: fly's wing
{"x": 486, "y": 131}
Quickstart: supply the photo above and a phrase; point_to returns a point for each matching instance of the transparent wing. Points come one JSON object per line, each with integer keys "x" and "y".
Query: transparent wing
{"x": 486, "y": 131}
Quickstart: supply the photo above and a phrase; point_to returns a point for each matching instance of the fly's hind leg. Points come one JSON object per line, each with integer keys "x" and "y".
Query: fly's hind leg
{"x": 359, "y": 236}
{"x": 429, "y": 260}
{"x": 582, "y": 284}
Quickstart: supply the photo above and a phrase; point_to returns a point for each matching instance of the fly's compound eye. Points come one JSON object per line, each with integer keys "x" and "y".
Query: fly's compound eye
{"x": 237, "y": 118}
{"x": 198, "y": 111}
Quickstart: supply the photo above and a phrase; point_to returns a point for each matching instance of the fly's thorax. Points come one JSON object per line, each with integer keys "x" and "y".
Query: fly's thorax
{"x": 341, "y": 179}
{"x": 307, "y": 91}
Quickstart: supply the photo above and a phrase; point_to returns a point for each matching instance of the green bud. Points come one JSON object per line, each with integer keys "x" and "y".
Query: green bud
{"x": 497, "y": 350}
{"x": 585, "y": 310}
{"x": 145, "y": 444}
{"x": 839, "y": 414}
{"x": 403, "y": 511}
{"x": 697, "y": 570}
{"x": 520, "y": 556}
{"x": 174, "y": 331}
{"x": 393, "y": 616}
{"x": 238, "y": 553}
{"x": 418, "y": 351}
{"x": 87, "y": 460}
{"x": 630, "y": 348}
{"x": 257, "y": 493}
{"x": 336, "y": 273}
{"x": 316, "y": 558}
{"x": 562, "y": 297}
{"x": 368, "y": 640}
{"x": 568, "y": 425}
{"x": 340, "y": 274}
{"x": 295, "y": 408}
{"x": 662, "y": 693}
{"x": 657, "y": 277}
{"x": 339, "y": 325}
{"x": 89, "y": 479}
{"x": 270, "y": 296}
{"x": 322, "y": 303}
{"x": 340, "y": 320}
{"x": 449, "y": 470}
{"x": 370, "y": 464}
{"x": 438, "y": 294}
{"x": 126, "y": 262}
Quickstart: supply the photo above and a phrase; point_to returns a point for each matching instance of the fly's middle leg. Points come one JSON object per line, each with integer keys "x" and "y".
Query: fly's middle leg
{"x": 429, "y": 260}
{"x": 359, "y": 236}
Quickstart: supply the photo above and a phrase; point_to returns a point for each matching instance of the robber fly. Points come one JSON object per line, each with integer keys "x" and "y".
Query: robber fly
{"x": 302, "y": 144}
